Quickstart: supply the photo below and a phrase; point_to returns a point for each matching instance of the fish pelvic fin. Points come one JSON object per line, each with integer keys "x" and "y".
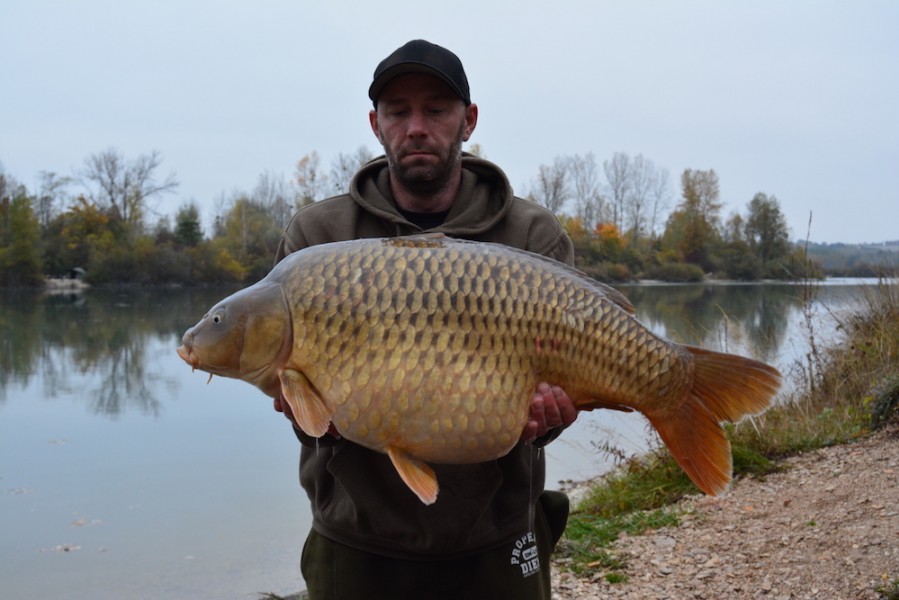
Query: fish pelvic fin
{"x": 725, "y": 388}
{"x": 308, "y": 407}
{"x": 416, "y": 474}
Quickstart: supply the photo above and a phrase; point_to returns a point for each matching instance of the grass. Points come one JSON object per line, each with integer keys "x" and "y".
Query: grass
{"x": 843, "y": 393}
{"x": 588, "y": 535}
{"x": 889, "y": 590}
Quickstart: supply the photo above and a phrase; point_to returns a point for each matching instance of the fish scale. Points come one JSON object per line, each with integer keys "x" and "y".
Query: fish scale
{"x": 429, "y": 349}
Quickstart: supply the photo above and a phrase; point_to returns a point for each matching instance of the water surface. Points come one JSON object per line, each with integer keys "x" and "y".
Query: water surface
{"x": 124, "y": 475}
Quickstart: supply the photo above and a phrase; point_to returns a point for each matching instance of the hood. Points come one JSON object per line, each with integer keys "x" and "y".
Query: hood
{"x": 484, "y": 198}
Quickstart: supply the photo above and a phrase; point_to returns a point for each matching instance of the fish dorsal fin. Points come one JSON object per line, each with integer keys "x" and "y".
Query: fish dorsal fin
{"x": 433, "y": 239}
{"x": 416, "y": 474}
{"x": 308, "y": 407}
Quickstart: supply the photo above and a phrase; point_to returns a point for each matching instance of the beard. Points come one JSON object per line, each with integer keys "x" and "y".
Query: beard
{"x": 423, "y": 177}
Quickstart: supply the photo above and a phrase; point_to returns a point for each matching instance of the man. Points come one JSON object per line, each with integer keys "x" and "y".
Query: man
{"x": 490, "y": 533}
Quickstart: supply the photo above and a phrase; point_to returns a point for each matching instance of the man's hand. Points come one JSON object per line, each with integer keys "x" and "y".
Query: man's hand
{"x": 550, "y": 408}
{"x": 283, "y": 407}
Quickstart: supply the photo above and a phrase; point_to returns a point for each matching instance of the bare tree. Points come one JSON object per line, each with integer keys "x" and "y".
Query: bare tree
{"x": 642, "y": 174}
{"x": 660, "y": 200}
{"x": 9, "y": 187}
{"x": 551, "y": 188}
{"x": 51, "y": 194}
{"x": 476, "y": 150}
{"x": 618, "y": 177}
{"x": 123, "y": 188}
{"x": 272, "y": 192}
{"x": 589, "y": 204}
{"x": 345, "y": 166}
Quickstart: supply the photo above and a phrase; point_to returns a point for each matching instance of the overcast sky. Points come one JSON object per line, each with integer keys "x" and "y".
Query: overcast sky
{"x": 796, "y": 99}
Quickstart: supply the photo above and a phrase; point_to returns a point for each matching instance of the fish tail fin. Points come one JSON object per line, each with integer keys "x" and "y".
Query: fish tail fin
{"x": 725, "y": 388}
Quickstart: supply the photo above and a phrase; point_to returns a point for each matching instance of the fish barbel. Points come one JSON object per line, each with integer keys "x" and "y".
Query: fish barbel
{"x": 429, "y": 349}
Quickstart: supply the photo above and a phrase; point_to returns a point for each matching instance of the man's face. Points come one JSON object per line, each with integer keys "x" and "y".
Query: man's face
{"x": 421, "y": 123}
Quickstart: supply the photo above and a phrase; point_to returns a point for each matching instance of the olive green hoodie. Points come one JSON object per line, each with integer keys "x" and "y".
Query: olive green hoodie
{"x": 485, "y": 210}
{"x": 357, "y": 497}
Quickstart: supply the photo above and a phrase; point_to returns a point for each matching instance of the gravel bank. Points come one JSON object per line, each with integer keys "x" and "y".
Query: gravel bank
{"x": 827, "y": 527}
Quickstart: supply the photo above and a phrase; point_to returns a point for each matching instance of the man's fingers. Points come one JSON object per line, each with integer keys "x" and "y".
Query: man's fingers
{"x": 550, "y": 408}
{"x": 567, "y": 410}
{"x": 553, "y": 415}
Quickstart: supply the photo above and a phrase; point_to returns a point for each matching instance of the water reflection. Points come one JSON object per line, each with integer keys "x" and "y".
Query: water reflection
{"x": 747, "y": 319}
{"x": 97, "y": 338}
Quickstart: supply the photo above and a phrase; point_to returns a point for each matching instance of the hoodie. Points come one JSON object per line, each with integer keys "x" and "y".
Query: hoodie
{"x": 357, "y": 497}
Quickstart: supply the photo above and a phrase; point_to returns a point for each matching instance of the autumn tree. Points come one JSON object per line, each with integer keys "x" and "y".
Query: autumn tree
{"x": 251, "y": 236}
{"x": 83, "y": 236}
{"x": 311, "y": 182}
{"x": 20, "y": 260}
{"x": 692, "y": 229}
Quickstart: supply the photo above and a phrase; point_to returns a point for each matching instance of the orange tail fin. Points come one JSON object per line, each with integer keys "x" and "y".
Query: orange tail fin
{"x": 725, "y": 388}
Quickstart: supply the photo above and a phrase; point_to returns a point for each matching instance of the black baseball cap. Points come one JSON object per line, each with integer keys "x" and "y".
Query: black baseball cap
{"x": 420, "y": 56}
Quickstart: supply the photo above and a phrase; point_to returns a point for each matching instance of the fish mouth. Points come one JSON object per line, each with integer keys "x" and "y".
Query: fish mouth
{"x": 188, "y": 356}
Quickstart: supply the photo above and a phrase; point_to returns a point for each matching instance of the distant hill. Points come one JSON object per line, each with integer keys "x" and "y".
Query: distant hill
{"x": 855, "y": 260}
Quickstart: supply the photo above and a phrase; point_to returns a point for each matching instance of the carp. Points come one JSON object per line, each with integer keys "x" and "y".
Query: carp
{"x": 429, "y": 349}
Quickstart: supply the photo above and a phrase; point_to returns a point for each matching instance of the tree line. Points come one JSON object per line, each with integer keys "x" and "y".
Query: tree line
{"x": 618, "y": 214}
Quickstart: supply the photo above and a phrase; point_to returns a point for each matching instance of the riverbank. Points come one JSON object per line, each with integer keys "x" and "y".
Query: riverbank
{"x": 827, "y": 526}
{"x": 815, "y": 513}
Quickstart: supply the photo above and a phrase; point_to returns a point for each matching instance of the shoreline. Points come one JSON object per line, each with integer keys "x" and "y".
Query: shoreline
{"x": 825, "y": 527}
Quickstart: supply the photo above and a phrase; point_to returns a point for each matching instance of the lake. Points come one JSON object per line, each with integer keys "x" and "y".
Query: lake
{"x": 125, "y": 475}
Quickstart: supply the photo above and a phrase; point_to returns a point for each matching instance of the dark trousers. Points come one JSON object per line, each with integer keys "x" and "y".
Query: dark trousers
{"x": 518, "y": 570}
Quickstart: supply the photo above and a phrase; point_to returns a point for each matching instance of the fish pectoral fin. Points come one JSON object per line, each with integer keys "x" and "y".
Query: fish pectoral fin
{"x": 416, "y": 474}
{"x": 308, "y": 407}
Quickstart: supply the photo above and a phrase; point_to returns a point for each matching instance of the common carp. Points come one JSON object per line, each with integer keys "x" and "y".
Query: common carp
{"x": 429, "y": 349}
